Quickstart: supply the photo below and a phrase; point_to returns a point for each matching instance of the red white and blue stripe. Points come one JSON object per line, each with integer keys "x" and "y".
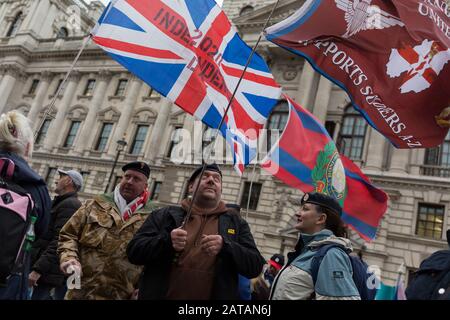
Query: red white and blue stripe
{"x": 188, "y": 51}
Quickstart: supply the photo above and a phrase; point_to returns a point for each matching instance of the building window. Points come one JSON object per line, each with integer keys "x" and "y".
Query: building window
{"x": 62, "y": 33}
{"x": 15, "y": 25}
{"x": 277, "y": 122}
{"x": 139, "y": 139}
{"x": 104, "y": 136}
{"x": 174, "y": 140}
{"x": 121, "y": 86}
{"x": 43, "y": 131}
{"x": 89, "y": 90}
{"x": 430, "y": 221}
{"x": 246, "y": 10}
{"x": 330, "y": 126}
{"x": 74, "y": 126}
{"x": 50, "y": 177}
{"x": 60, "y": 82}
{"x": 156, "y": 191}
{"x": 33, "y": 86}
{"x": 254, "y": 197}
{"x": 439, "y": 156}
{"x": 85, "y": 175}
{"x": 352, "y": 135}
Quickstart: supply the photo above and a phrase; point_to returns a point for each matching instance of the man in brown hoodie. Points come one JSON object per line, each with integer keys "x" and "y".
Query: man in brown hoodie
{"x": 202, "y": 259}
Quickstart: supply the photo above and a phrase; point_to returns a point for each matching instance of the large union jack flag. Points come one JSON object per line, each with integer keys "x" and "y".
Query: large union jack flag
{"x": 188, "y": 51}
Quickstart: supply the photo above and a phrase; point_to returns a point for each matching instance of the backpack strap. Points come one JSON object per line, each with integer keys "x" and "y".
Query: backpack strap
{"x": 7, "y": 167}
{"x": 318, "y": 257}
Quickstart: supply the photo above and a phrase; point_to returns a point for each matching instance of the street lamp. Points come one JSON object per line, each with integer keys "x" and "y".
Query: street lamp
{"x": 120, "y": 147}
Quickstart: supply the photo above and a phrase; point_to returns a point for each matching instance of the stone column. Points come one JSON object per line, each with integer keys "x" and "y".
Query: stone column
{"x": 400, "y": 160}
{"x": 158, "y": 131}
{"x": 31, "y": 14}
{"x": 11, "y": 73}
{"x": 88, "y": 126}
{"x": 54, "y": 131}
{"x": 322, "y": 99}
{"x": 188, "y": 148}
{"x": 47, "y": 29}
{"x": 417, "y": 160}
{"x": 307, "y": 86}
{"x": 127, "y": 110}
{"x": 197, "y": 135}
{"x": 38, "y": 17}
{"x": 2, "y": 15}
{"x": 376, "y": 148}
{"x": 36, "y": 106}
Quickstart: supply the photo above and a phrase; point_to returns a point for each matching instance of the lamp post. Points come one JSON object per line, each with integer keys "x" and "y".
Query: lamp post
{"x": 120, "y": 146}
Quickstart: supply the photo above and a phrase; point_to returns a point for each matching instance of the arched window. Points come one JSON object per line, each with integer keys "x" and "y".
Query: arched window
{"x": 439, "y": 156}
{"x": 277, "y": 121}
{"x": 352, "y": 134}
{"x": 246, "y": 10}
{"x": 62, "y": 33}
{"x": 15, "y": 25}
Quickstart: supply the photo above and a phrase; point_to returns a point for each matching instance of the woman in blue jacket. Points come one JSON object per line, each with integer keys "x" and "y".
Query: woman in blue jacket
{"x": 319, "y": 224}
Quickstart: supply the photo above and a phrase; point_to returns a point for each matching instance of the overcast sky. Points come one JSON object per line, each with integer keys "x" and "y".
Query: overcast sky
{"x": 106, "y": 1}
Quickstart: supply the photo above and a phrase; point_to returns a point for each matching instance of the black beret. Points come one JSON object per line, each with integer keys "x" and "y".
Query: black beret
{"x": 322, "y": 200}
{"x": 138, "y": 166}
{"x": 209, "y": 167}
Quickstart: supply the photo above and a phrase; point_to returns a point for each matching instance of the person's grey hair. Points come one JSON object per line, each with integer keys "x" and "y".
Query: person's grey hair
{"x": 16, "y": 133}
{"x": 75, "y": 187}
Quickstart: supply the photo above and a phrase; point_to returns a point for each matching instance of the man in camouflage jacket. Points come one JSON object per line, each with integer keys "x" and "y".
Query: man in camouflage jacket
{"x": 93, "y": 242}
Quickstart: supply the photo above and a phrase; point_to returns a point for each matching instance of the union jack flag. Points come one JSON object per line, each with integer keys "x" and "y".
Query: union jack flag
{"x": 188, "y": 51}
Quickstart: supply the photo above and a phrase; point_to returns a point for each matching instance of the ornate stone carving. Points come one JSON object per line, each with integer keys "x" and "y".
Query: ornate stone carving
{"x": 100, "y": 178}
{"x": 46, "y": 76}
{"x": 109, "y": 114}
{"x": 74, "y": 75}
{"x": 77, "y": 113}
{"x": 12, "y": 70}
{"x": 291, "y": 71}
{"x": 144, "y": 115}
{"x": 290, "y": 74}
{"x": 104, "y": 75}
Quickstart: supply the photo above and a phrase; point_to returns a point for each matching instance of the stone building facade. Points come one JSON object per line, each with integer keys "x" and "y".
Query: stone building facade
{"x": 102, "y": 103}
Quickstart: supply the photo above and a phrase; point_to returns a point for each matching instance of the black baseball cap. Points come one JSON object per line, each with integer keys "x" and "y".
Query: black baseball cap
{"x": 209, "y": 167}
{"x": 138, "y": 166}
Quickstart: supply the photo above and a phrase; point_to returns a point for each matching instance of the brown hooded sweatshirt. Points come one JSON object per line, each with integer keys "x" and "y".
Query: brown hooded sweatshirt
{"x": 193, "y": 275}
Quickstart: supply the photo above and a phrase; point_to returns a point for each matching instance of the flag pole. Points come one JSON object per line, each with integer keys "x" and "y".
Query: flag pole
{"x": 49, "y": 109}
{"x": 194, "y": 195}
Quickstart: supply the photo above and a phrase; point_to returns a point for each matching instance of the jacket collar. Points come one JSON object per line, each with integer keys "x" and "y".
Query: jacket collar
{"x": 106, "y": 202}
{"x": 318, "y": 236}
{"x": 64, "y": 196}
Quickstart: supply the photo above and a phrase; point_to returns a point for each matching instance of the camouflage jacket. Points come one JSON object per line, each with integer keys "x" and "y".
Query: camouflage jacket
{"x": 97, "y": 237}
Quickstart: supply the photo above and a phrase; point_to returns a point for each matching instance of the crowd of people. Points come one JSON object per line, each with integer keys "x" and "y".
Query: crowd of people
{"x": 119, "y": 245}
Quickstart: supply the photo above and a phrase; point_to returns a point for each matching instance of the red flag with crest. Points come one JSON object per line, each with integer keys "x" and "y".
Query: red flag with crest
{"x": 391, "y": 57}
